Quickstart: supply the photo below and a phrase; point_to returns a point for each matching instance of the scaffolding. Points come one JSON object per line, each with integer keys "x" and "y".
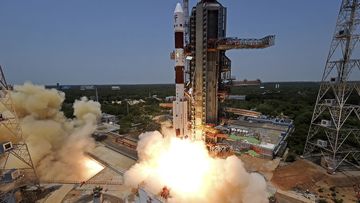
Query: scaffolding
{"x": 236, "y": 43}
{"x": 17, "y": 148}
{"x": 334, "y": 135}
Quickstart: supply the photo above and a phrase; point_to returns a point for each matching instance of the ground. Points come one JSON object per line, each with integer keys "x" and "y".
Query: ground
{"x": 303, "y": 175}
{"x": 291, "y": 178}
{"x": 110, "y": 178}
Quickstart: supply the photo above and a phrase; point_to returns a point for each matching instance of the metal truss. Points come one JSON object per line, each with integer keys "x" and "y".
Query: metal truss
{"x": 9, "y": 121}
{"x": 331, "y": 136}
{"x": 236, "y": 43}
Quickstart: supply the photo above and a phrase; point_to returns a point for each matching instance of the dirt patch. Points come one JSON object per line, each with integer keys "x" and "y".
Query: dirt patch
{"x": 303, "y": 176}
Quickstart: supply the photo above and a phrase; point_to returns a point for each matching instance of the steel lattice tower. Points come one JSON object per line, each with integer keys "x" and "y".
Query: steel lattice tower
{"x": 334, "y": 134}
{"x": 9, "y": 121}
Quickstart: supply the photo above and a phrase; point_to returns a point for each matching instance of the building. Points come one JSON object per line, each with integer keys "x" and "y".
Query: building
{"x": 262, "y": 135}
{"x": 115, "y": 87}
{"x": 170, "y": 98}
{"x": 247, "y": 83}
{"x": 87, "y": 87}
{"x": 108, "y": 118}
{"x": 237, "y": 97}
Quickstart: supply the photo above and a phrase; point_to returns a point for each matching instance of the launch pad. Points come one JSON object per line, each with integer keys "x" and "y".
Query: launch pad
{"x": 213, "y": 152}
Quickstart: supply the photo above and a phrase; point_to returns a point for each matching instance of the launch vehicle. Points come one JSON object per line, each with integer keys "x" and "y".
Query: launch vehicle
{"x": 180, "y": 118}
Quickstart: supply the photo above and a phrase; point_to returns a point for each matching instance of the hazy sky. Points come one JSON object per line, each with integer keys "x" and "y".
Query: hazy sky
{"x": 128, "y": 42}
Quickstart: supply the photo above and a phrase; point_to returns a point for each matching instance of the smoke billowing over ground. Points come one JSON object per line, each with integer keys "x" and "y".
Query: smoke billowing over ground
{"x": 191, "y": 174}
{"x": 57, "y": 144}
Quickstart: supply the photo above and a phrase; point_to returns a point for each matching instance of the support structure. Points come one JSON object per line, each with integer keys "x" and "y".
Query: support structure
{"x": 334, "y": 134}
{"x": 12, "y": 137}
{"x": 210, "y": 69}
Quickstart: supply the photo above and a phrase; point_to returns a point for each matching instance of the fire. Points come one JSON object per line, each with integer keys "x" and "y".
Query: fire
{"x": 91, "y": 167}
{"x": 186, "y": 169}
{"x": 183, "y": 167}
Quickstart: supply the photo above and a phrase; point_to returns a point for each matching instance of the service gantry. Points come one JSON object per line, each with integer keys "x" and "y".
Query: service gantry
{"x": 209, "y": 70}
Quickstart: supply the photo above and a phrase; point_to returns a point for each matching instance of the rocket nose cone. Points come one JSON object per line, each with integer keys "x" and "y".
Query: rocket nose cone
{"x": 178, "y": 8}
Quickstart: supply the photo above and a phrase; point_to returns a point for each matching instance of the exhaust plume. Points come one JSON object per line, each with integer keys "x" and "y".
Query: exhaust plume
{"x": 186, "y": 168}
{"x": 57, "y": 144}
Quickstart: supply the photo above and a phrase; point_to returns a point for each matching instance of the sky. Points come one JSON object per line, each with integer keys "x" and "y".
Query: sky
{"x": 129, "y": 42}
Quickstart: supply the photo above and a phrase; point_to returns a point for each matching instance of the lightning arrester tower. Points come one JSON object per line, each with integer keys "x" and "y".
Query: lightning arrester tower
{"x": 13, "y": 145}
{"x": 334, "y": 137}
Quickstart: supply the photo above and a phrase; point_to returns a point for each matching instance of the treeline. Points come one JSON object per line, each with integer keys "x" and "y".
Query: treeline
{"x": 295, "y": 100}
{"x": 132, "y": 117}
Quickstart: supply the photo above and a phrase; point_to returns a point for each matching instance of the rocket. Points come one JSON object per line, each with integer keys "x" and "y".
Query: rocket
{"x": 180, "y": 118}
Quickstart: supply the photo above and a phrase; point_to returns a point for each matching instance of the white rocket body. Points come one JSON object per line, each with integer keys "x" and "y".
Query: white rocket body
{"x": 180, "y": 117}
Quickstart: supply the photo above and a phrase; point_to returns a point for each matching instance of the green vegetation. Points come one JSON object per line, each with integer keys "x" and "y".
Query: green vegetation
{"x": 126, "y": 92}
{"x": 252, "y": 153}
{"x": 293, "y": 99}
{"x": 134, "y": 118}
{"x": 251, "y": 140}
{"x": 138, "y": 117}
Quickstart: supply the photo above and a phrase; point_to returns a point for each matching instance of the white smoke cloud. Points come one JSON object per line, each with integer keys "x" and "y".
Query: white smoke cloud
{"x": 87, "y": 111}
{"x": 191, "y": 174}
{"x": 57, "y": 144}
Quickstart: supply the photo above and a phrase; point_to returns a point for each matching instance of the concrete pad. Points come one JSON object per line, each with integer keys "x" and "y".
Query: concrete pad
{"x": 112, "y": 158}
